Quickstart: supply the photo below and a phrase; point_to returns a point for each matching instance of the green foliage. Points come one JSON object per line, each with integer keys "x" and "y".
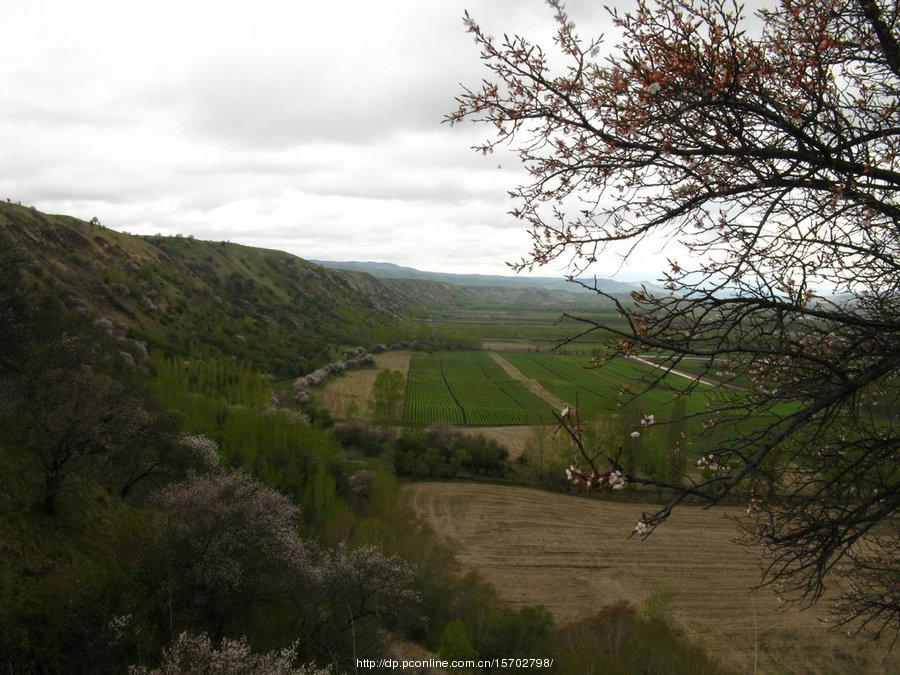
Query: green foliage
{"x": 547, "y": 455}
{"x": 441, "y": 453}
{"x": 437, "y": 451}
{"x": 658, "y": 607}
{"x": 456, "y": 338}
{"x": 226, "y": 401}
{"x": 357, "y": 436}
{"x": 455, "y": 644}
{"x": 62, "y": 578}
{"x": 231, "y": 381}
{"x": 617, "y": 641}
{"x": 387, "y": 395}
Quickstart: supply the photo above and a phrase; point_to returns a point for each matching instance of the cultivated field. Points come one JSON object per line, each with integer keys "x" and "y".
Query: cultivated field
{"x": 527, "y": 328}
{"x": 601, "y": 389}
{"x": 468, "y": 388}
{"x": 354, "y": 387}
{"x": 573, "y": 555}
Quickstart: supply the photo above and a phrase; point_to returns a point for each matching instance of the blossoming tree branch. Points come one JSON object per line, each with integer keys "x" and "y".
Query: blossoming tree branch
{"x": 769, "y": 150}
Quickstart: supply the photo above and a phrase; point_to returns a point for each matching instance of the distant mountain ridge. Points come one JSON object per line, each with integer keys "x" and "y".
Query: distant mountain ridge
{"x": 382, "y": 270}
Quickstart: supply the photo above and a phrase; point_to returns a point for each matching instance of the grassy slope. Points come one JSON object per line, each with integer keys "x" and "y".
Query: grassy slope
{"x": 60, "y": 576}
{"x": 271, "y": 309}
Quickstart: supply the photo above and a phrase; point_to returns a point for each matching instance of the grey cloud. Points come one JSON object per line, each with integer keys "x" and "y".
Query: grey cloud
{"x": 312, "y": 127}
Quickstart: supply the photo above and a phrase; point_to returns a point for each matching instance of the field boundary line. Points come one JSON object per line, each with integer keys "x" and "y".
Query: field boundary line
{"x": 532, "y": 385}
{"x": 679, "y": 373}
{"x": 499, "y": 386}
{"x": 550, "y": 370}
{"x": 452, "y": 393}
{"x": 406, "y": 403}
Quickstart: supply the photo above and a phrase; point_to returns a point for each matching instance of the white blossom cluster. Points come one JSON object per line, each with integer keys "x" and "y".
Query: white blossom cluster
{"x": 197, "y": 655}
{"x": 646, "y": 421}
{"x": 641, "y": 528}
{"x": 118, "y": 626}
{"x": 216, "y": 522}
{"x": 755, "y": 505}
{"x": 205, "y": 449}
{"x": 613, "y": 478}
{"x": 230, "y": 533}
{"x": 356, "y": 357}
{"x": 349, "y": 575}
{"x": 712, "y": 463}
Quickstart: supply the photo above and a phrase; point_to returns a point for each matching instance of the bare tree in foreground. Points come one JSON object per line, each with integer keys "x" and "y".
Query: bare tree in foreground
{"x": 773, "y": 158}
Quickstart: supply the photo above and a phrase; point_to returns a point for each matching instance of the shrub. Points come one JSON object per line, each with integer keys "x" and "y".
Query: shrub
{"x": 618, "y": 641}
{"x": 455, "y": 644}
{"x": 363, "y": 437}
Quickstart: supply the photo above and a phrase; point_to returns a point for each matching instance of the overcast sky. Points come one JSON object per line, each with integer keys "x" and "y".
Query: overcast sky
{"x": 312, "y": 127}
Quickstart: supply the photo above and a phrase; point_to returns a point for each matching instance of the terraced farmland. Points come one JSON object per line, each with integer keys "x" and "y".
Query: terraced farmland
{"x": 468, "y": 388}
{"x": 599, "y": 389}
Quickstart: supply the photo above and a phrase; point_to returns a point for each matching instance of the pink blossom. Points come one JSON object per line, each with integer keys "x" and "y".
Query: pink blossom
{"x": 205, "y": 450}
{"x": 196, "y": 655}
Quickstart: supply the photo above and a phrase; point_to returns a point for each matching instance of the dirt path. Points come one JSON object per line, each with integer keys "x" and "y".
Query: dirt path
{"x": 679, "y": 373}
{"x": 533, "y": 386}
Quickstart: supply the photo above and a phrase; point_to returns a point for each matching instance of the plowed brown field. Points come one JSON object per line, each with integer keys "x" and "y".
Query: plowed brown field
{"x": 573, "y": 555}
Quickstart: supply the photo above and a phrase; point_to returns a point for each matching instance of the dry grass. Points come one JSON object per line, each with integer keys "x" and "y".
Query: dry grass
{"x": 507, "y": 345}
{"x": 513, "y": 438}
{"x": 355, "y": 386}
{"x": 573, "y": 555}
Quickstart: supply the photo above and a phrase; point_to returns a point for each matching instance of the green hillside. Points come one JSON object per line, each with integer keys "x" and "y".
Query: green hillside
{"x": 273, "y": 310}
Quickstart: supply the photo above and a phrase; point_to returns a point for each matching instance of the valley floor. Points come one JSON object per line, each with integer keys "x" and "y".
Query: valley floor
{"x": 354, "y": 388}
{"x": 573, "y": 555}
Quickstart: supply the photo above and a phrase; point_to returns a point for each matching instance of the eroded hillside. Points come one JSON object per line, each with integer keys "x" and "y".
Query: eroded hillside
{"x": 269, "y": 308}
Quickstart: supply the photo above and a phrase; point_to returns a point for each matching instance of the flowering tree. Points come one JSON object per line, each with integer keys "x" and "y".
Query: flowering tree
{"x": 773, "y": 158}
{"x": 227, "y": 539}
{"x": 160, "y": 455}
{"x": 230, "y": 542}
{"x": 193, "y": 654}
{"x": 362, "y": 582}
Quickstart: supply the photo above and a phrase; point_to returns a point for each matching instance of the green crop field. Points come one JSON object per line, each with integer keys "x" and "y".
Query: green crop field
{"x": 529, "y": 328}
{"x": 719, "y": 370}
{"x": 599, "y": 389}
{"x": 468, "y": 388}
